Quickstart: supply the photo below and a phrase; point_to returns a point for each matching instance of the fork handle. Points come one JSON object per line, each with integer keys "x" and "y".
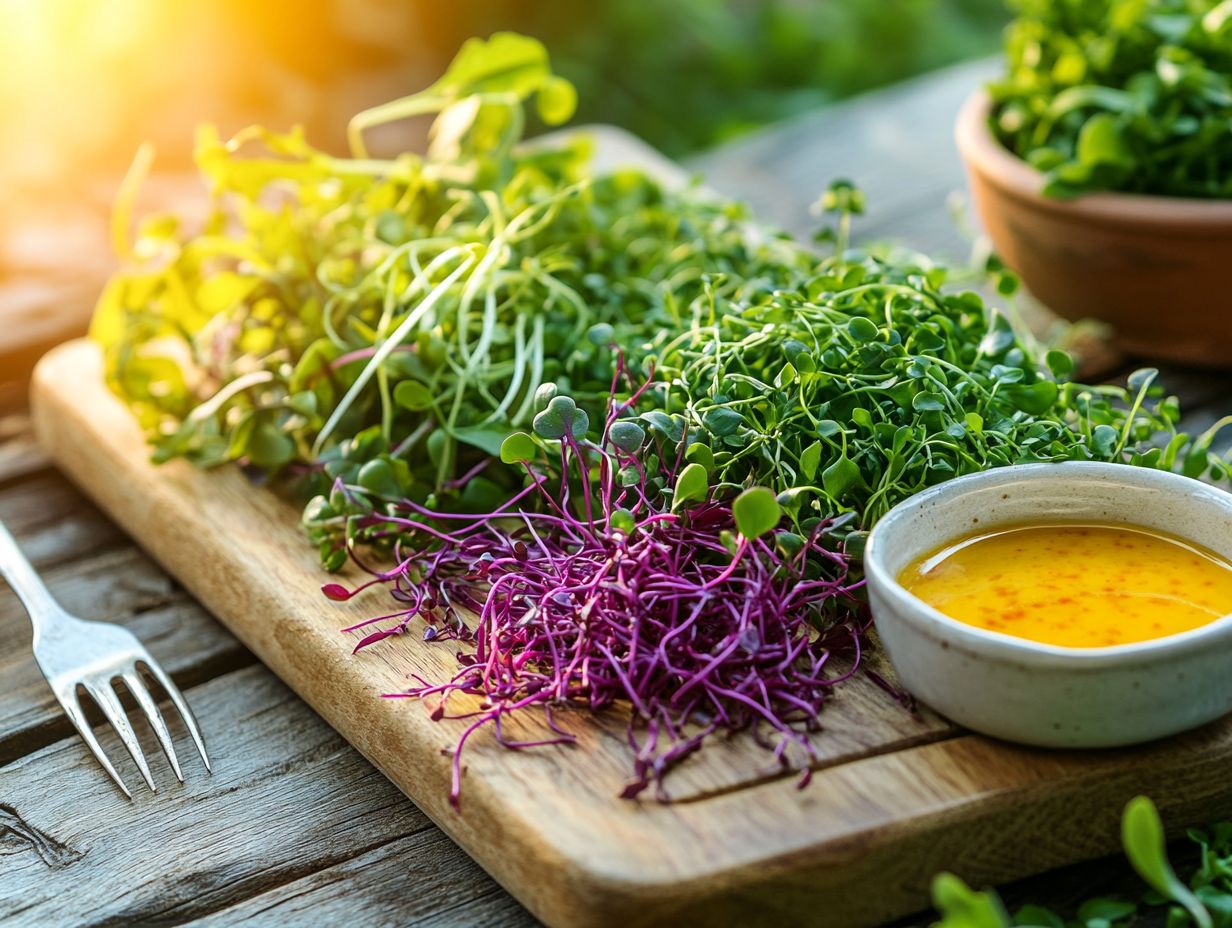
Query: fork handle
{"x": 25, "y": 582}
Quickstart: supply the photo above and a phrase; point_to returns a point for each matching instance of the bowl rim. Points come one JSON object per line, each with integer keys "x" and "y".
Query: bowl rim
{"x": 984, "y": 154}
{"x": 983, "y": 642}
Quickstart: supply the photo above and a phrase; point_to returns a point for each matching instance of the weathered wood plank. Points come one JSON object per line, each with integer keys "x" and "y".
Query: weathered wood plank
{"x": 287, "y": 799}
{"x": 422, "y": 879}
{"x": 54, "y": 522}
{"x": 20, "y": 455}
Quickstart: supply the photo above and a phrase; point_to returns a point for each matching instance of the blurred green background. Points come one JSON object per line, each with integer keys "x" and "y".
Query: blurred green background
{"x": 83, "y": 82}
{"x": 687, "y": 74}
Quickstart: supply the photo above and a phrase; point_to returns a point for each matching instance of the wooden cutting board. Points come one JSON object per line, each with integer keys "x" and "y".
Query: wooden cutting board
{"x": 895, "y": 798}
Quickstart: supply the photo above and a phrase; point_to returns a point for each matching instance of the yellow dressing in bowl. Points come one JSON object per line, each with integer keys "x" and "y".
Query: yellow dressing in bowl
{"x": 1078, "y": 586}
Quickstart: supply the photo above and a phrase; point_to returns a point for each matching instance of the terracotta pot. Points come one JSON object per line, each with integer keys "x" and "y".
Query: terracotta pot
{"x": 1157, "y": 269}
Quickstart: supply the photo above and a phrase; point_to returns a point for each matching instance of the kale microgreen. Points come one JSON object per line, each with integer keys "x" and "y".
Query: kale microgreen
{"x": 1128, "y": 95}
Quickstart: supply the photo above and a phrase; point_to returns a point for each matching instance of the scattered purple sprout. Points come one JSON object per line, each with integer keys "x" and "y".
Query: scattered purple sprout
{"x": 662, "y": 612}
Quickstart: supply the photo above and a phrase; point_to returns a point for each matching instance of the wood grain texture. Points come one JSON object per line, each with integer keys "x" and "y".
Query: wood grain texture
{"x": 422, "y": 879}
{"x": 289, "y": 806}
{"x": 20, "y": 454}
{"x": 857, "y": 846}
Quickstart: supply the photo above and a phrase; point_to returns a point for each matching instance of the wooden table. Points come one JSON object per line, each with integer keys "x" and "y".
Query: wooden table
{"x": 295, "y": 826}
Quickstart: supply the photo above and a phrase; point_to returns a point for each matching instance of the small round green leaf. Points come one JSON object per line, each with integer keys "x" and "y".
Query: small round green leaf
{"x": 518, "y": 448}
{"x": 377, "y": 477}
{"x": 561, "y": 418}
{"x": 621, "y": 520}
{"x": 601, "y": 334}
{"x": 692, "y": 485}
{"x": 698, "y": 453}
{"x": 413, "y": 395}
{"x": 862, "y": 330}
{"x": 269, "y": 446}
{"x": 756, "y": 512}
{"x": 627, "y": 436}
{"x": 544, "y": 395}
{"x": 556, "y": 101}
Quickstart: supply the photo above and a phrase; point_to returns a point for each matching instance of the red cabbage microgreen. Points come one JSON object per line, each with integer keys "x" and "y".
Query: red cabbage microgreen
{"x": 686, "y": 610}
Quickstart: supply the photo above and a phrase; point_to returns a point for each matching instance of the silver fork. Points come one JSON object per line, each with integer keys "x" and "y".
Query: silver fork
{"x": 74, "y": 652}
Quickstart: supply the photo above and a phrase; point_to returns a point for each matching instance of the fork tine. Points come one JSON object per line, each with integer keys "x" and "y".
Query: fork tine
{"x": 136, "y": 686}
{"x": 177, "y": 697}
{"x": 68, "y": 702}
{"x": 109, "y": 702}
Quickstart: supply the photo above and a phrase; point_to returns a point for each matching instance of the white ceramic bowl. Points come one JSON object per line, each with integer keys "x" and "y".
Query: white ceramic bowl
{"x": 1043, "y": 694}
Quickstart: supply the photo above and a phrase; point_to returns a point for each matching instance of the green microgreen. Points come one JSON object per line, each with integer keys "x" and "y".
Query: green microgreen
{"x": 1204, "y": 902}
{"x": 1129, "y": 95}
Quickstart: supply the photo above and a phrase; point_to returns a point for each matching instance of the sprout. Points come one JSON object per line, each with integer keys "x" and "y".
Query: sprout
{"x": 650, "y": 610}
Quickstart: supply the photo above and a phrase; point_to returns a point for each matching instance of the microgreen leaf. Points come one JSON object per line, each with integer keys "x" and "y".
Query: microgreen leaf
{"x": 722, "y": 421}
{"x": 487, "y": 438}
{"x": 698, "y": 453}
{"x": 962, "y": 907}
{"x": 561, "y": 417}
{"x": 622, "y": 520}
{"x": 413, "y": 395}
{"x": 1119, "y": 96}
{"x": 556, "y": 101}
{"x": 691, "y": 486}
{"x": 627, "y": 436}
{"x": 378, "y": 477}
{"x": 757, "y": 511}
{"x": 810, "y": 458}
{"x": 517, "y": 448}
{"x": 1142, "y": 834}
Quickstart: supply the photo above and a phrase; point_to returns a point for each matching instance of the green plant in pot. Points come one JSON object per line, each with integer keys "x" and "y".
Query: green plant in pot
{"x": 1101, "y": 167}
